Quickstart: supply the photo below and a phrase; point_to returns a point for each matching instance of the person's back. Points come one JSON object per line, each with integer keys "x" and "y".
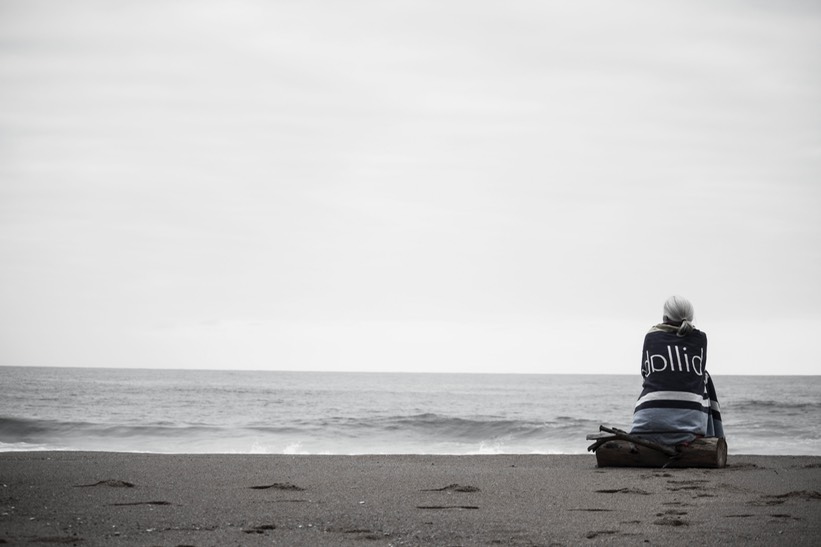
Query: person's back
{"x": 677, "y": 402}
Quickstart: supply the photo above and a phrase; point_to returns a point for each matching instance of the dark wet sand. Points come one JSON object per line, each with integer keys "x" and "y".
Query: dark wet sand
{"x": 150, "y": 499}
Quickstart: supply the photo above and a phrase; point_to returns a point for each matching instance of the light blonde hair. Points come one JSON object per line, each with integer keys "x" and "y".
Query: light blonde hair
{"x": 679, "y": 309}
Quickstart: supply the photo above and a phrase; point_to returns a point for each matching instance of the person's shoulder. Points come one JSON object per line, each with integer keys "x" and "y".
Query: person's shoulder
{"x": 663, "y": 331}
{"x": 657, "y": 335}
{"x": 697, "y": 335}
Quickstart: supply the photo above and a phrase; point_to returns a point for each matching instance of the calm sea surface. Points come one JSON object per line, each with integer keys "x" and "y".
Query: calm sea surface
{"x": 177, "y": 411}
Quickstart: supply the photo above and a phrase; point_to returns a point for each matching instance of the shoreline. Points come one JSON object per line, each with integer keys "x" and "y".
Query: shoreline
{"x": 110, "y": 498}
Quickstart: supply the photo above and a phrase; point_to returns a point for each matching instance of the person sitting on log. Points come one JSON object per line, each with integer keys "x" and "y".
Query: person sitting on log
{"x": 678, "y": 402}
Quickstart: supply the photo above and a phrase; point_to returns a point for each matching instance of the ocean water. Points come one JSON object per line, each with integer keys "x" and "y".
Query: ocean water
{"x": 191, "y": 411}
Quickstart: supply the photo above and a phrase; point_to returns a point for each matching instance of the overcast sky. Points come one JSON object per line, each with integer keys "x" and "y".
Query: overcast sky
{"x": 408, "y": 186}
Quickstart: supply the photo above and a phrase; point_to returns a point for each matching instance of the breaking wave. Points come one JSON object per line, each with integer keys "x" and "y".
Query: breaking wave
{"x": 419, "y": 433}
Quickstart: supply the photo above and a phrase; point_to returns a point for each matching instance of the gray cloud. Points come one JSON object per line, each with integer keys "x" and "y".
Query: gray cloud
{"x": 228, "y": 174}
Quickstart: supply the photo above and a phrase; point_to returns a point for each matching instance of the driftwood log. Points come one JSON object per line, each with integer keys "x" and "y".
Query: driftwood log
{"x": 616, "y": 448}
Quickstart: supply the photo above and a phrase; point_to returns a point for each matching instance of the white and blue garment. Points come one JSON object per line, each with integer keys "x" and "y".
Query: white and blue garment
{"x": 678, "y": 402}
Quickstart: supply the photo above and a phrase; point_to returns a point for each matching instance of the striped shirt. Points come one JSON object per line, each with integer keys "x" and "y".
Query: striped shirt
{"x": 678, "y": 400}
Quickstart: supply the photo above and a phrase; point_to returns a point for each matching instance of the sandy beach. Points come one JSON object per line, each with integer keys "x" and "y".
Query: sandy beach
{"x": 151, "y": 499}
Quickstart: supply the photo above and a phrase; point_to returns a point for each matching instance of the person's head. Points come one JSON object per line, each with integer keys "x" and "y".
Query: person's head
{"x": 679, "y": 311}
